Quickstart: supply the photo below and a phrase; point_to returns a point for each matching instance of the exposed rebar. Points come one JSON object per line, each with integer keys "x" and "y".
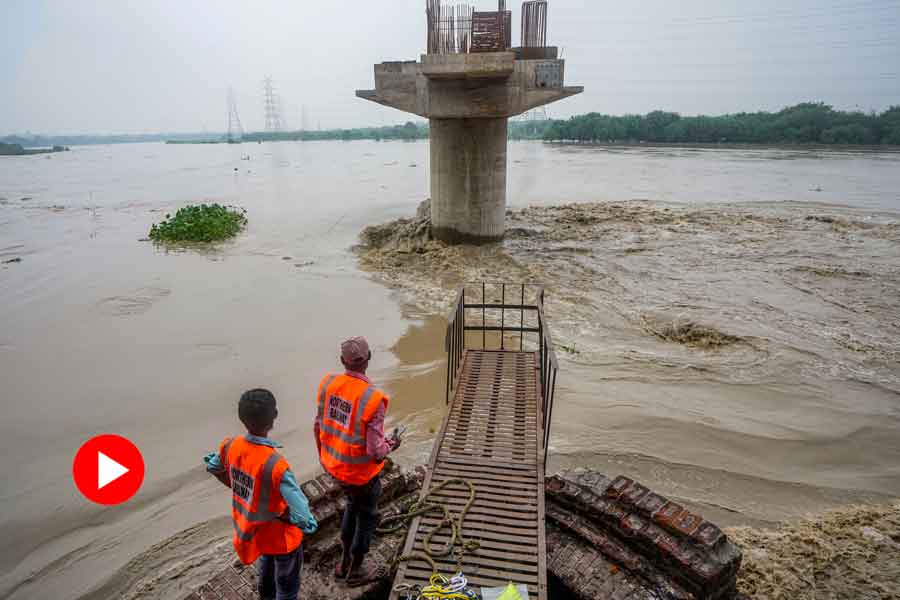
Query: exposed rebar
{"x": 534, "y": 24}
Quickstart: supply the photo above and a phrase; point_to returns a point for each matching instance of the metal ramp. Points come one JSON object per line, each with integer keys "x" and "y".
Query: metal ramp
{"x": 494, "y": 435}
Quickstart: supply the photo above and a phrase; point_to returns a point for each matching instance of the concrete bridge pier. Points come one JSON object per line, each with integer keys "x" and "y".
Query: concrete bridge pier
{"x": 468, "y": 179}
{"x": 468, "y": 99}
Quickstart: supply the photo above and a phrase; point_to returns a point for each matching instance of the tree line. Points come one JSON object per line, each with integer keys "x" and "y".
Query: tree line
{"x": 407, "y": 131}
{"x": 807, "y": 123}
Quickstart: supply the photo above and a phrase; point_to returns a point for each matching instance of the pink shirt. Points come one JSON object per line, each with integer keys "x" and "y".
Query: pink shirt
{"x": 376, "y": 446}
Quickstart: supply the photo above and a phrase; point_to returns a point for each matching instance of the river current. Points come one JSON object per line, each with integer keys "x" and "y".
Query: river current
{"x": 791, "y": 257}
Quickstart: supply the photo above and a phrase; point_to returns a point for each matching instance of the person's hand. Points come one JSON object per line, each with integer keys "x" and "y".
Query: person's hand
{"x": 311, "y": 526}
{"x": 394, "y": 443}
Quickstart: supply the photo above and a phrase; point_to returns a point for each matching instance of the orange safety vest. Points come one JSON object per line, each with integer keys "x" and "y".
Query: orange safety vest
{"x": 255, "y": 472}
{"x": 346, "y": 405}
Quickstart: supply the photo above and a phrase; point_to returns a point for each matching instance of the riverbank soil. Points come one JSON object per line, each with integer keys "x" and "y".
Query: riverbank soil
{"x": 741, "y": 358}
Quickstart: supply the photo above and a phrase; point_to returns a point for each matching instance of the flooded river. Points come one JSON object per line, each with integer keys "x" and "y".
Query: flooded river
{"x": 727, "y": 323}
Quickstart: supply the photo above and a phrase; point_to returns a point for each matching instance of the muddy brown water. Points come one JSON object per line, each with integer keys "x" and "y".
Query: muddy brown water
{"x": 791, "y": 255}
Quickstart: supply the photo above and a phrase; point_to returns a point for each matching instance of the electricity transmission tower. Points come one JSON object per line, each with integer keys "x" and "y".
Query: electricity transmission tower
{"x": 235, "y": 129}
{"x": 272, "y": 105}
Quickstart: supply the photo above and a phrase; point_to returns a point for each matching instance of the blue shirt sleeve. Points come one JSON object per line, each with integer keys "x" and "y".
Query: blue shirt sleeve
{"x": 298, "y": 505}
{"x": 213, "y": 464}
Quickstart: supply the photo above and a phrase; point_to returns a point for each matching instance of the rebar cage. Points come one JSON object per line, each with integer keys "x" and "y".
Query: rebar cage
{"x": 459, "y": 29}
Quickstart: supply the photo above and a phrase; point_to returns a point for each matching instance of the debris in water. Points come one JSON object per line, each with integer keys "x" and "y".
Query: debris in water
{"x": 830, "y": 271}
{"x": 403, "y": 235}
{"x": 691, "y": 334}
{"x": 17, "y": 259}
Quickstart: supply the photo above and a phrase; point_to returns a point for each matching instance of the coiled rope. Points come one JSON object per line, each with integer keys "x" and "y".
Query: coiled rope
{"x": 439, "y": 588}
{"x": 422, "y": 506}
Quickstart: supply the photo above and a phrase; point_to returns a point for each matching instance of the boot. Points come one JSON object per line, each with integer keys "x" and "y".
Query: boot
{"x": 361, "y": 573}
{"x": 343, "y": 566}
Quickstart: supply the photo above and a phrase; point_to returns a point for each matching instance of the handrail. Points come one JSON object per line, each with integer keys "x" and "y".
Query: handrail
{"x": 549, "y": 369}
{"x": 457, "y": 327}
{"x": 454, "y": 342}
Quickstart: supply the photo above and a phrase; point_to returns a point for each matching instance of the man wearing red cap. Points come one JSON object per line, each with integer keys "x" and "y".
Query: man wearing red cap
{"x": 349, "y": 432}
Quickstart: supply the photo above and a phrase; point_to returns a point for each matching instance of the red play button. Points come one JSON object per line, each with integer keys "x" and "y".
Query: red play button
{"x": 108, "y": 469}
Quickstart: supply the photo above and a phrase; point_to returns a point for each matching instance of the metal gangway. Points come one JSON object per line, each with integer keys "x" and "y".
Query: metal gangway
{"x": 501, "y": 376}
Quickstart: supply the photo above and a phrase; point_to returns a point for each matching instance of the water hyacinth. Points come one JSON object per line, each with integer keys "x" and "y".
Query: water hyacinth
{"x": 200, "y": 223}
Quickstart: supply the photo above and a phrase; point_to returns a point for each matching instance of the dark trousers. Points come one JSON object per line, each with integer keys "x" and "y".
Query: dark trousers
{"x": 361, "y": 516}
{"x": 279, "y": 575}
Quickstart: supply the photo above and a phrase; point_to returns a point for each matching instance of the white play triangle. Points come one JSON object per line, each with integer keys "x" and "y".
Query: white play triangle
{"x": 108, "y": 470}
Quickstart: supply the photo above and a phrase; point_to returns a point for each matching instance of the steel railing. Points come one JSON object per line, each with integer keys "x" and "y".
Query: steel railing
{"x": 534, "y": 327}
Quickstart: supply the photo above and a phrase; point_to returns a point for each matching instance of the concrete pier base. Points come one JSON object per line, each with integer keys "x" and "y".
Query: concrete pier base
{"x": 468, "y": 99}
{"x": 468, "y": 179}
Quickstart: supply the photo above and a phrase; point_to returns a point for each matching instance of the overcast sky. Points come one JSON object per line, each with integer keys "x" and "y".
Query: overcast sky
{"x": 158, "y": 65}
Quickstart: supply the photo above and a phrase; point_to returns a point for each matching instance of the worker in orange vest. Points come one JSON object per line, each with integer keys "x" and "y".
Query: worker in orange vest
{"x": 269, "y": 511}
{"x": 349, "y": 432}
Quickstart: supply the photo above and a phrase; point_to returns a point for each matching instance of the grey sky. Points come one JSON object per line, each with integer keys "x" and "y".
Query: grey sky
{"x": 153, "y": 65}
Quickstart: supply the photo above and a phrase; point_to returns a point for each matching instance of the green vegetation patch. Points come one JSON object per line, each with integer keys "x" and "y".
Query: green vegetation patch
{"x": 807, "y": 123}
{"x": 203, "y": 223}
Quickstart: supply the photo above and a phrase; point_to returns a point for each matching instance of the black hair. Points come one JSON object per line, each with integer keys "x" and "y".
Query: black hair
{"x": 257, "y": 410}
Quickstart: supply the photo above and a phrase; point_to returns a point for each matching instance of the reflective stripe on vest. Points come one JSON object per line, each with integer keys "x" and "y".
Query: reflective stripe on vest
{"x": 255, "y": 473}
{"x": 358, "y": 438}
{"x": 350, "y": 460}
{"x": 363, "y": 403}
{"x": 345, "y": 405}
{"x": 322, "y": 394}
{"x": 350, "y": 439}
{"x": 356, "y": 425}
{"x": 244, "y": 537}
{"x": 261, "y": 514}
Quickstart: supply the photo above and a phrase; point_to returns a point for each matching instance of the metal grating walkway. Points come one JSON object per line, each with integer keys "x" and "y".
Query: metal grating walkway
{"x": 493, "y": 436}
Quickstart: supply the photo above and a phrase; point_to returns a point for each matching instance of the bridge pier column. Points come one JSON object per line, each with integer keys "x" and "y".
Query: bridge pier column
{"x": 468, "y": 179}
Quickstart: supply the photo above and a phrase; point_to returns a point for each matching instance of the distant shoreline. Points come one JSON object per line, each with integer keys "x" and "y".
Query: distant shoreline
{"x": 730, "y": 146}
{"x": 629, "y": 144}
{"x": 809, "y": 124}
{"x": 19, "y": 150}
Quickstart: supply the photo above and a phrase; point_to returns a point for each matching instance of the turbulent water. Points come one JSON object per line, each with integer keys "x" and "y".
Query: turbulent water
{"x": 846, "y": 553}
{"x": 727, "y": 324}
{"x": 717, "y": 350}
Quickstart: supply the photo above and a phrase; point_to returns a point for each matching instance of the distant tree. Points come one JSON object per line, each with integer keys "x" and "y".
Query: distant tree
{"x": 889, "y": 126}
{"x": 652, "y": 127}
{"x": 410, "y": 131}
{"x": 853, "y": 133}
{"x": 806, "y": 123}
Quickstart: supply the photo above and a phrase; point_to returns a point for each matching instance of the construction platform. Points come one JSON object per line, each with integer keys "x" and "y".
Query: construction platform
{"x": 494, "y": 435}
